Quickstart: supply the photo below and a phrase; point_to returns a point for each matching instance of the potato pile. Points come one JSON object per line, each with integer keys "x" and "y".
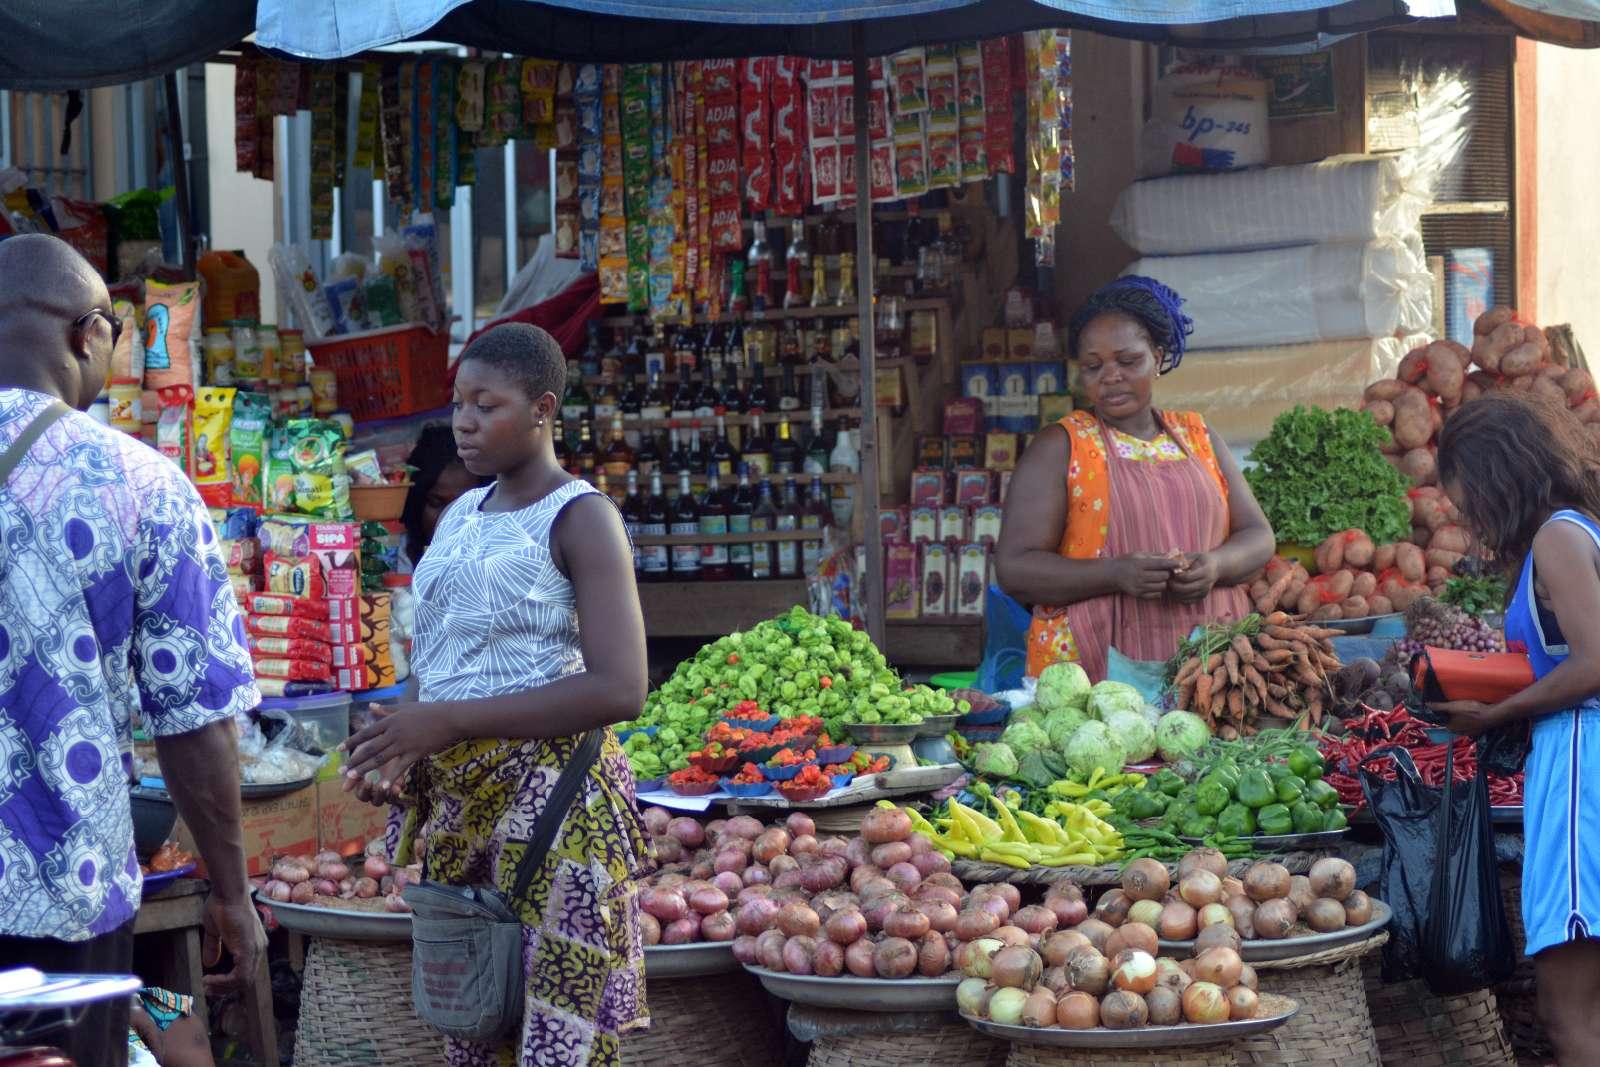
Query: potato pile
{"x": 1439, "y": 377}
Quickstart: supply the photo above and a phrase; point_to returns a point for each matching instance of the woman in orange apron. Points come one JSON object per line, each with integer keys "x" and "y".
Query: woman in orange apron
{"x": 1127, "y": 526}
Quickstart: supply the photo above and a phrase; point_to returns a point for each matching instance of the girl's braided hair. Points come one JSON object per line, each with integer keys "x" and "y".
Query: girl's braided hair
{"x": 1155, "y": 307}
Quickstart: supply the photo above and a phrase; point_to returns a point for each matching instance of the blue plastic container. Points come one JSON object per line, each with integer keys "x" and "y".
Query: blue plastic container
{"x": 749, "y": 789}
{"x": 784, "y": 774}
{"x": 842, "y": 780}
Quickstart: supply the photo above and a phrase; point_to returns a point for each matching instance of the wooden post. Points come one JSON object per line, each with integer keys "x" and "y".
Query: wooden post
{"x": 867, "y": 498}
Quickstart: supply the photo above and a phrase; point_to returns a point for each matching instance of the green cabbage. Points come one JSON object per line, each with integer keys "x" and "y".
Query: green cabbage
{"x": 1025, "y": 736}
{"x": 1063, "y": 685}
{"x": 1107, "y": 697}
{"x": 1091, "y": 746}
{"x": 995, "y": 760}
{"x": 1061, "y": 724}
{"x": 1134, "y": 733}
{"x": 1180, "y": 735}
{"x": 1031, "y": 713}
{"x": 1039, "y": 769}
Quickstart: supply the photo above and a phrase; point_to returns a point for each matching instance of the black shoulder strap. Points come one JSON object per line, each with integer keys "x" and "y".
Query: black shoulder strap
{"x": 30, "y": 433}
{"x": 555, "y": 810}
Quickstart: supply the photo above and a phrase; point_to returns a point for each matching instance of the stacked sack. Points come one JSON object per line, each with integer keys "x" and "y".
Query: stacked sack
{"x": 1297, "y": 278}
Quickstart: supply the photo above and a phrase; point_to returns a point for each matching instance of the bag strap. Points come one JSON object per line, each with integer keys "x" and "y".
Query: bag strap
{"x": 555, "y": 810}
{"x": 35, "y": 429}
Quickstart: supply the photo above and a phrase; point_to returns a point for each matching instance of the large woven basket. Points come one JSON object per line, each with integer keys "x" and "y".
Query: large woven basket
{"x": 1415, "y": 1028}
{"x": 1518, "y": 996}
{"x": 713, "y": 1021}
{"x": 355, "y": 1007}
{"x": 1203, "y": 1056}
{"x": 1332, "y": 1027}
{"x": 955, "y": 1045}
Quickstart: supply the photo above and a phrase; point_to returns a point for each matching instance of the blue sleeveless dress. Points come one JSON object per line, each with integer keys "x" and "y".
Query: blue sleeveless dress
{"x": 1561, "y": 818}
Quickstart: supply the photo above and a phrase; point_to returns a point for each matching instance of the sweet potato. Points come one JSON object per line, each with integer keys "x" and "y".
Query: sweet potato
{"x": 1495, "y": 317}
{"x": 1358, "y": 548}
{"x": 1420, "y": 466}
{"x": 1436, "y": 418}
{"x": 1451, "y": 538}
{"x": 1411, "y": 562}
{"x": 1386, "y": 389}
{"x": 1276, "y": 566}
{"x": 1389, "y": 448}
{"x": 1365, "y": 585}
{"x": 1382, "y": 411}
{"x": 1407, "y": 595}
{"x": 1442, "y": 557}
{"x": 1532, "y": 335}
{"x": 1470, "y": 389}
{"x": 1339, "y": 584}
{"x": 1522, "y": 360}
{"x": 1420, "y": 535}
{"x": 1327, "y": 612}
{"x": 1488, "y": 350}
{"x": 1383, "y": 558}
{"x": 1413, "y": 420}
{"x": 1292, "y": 595}
{"x": 1330, "y": 554}
{"x": 1309, "y": 601}
{"x": 1578, "y": 384}
{"x": 1378, "y": 604}
{"x": 1446, "y": 369}
{"x": 1414, "y": 367}
{"x": 1355, "y": 607}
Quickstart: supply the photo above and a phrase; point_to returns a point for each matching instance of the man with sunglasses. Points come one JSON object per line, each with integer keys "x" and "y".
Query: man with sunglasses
{"x": 113, "y": 594}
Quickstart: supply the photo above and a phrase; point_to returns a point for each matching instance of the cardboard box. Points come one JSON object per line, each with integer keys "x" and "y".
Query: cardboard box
{"x": 952, "y": 527}
{"x": 893, "y": 523}
{"x": 979, "y": 380}
{"x": 966, "y": 451}
{"x": 1012, "y": 379}
{"x": 279, "y": 826}
{"x": 1000, "y": 451}
{"x": 994, "y": 342}
{"x": 935, "y": 579}
{"x": 973, "y": 488}
{"x": 972, "y": 579}
{"x": 900, "y": 581}
{"x": 986, "y": 523}
{"x": 932, "y": 451}
{"x": 928, "y": 488}
{"x": 924, "y": 524}
{"x": 1019, "y": 342}
{"x": 1047, "y": 378}
{"x": 344, "y": 823}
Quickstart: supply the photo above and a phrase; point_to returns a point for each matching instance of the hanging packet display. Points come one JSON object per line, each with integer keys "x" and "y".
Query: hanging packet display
{"x": 169, "y": 320}
{"x": 324, "y": 150}
{"x": 321, "y": 485}
{"x": 469, "y": 97}
{"x": 998, "y": 120}
{"x": 247, "y": 437}
{"x": 908, "y": 74}
{"x": 367, "y": 145}
{"x": 444, "y": 135}
{"x": 173, "y": 428}
{"x": 392, "y": 114}
{"x": 755, "y": 106}
{"x": 213, "y": 416}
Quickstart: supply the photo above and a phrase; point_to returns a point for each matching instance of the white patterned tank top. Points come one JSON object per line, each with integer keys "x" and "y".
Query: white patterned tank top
{"x": 494, "y": 614}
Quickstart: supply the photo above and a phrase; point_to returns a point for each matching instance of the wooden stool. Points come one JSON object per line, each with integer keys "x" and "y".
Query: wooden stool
{"x": 174, "y": 915}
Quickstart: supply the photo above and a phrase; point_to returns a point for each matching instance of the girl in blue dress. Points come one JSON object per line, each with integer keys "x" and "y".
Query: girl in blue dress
{"x": 1526, "y": 475}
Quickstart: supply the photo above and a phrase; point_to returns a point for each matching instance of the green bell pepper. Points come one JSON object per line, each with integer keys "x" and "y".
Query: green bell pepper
{"x": 1147, "y": 804}
{"x": 1277, "y": 771}
{"x": 1227, "y": 772}
{"x": 1290, "y": 790}
{"x": 1322, "y": 794}
{"x": 1255, "y": 789}
{"x": 1210, "y": 797}
{"x": 1334, "y": 819}
{"x": 1168, "y": 781}
{"x": 1237, "y": 820}
{"x": 1274, "y": 819}
{"x": 1306, "y": 761}
{"x": 1199, "y": 826}
{"x": 1308, "y": 818}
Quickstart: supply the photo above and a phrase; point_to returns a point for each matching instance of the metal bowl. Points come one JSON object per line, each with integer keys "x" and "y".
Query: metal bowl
{"x": 884, "y": 733}
{"x": 689, "y": 961}
{"x": 1259, "y": 951}
{"x": 1277, "y": 1011}
{"x": 340, "y": 923}
{"x": 861, "y": 994}
{"x": 937, "y": 725}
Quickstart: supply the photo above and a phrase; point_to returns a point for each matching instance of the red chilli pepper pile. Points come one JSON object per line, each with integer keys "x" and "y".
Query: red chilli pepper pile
{"x": 1385, "y": 729}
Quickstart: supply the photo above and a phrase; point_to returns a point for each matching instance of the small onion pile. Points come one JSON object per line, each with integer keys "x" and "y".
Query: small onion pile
{"x": 330, "y": 876}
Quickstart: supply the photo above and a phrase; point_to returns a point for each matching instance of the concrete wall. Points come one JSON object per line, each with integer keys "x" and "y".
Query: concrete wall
{"x": 243, "y": 209}
{"x": 1568, "y": 210}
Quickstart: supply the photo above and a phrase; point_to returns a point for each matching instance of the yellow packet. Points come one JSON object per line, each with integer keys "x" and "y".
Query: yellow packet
{"x": 213, "y": 415}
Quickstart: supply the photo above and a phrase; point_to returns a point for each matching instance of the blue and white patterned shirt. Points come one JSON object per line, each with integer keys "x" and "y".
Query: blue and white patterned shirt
{"x": 113, "y": 594}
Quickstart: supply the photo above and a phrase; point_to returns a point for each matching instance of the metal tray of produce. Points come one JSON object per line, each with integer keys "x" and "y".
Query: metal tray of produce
{"x": 1274, "y": 1011}
{"x": 689, "y": 961}
{"x": 884, "y": 733}
{"x": 861, "y": 994}
{"x": 341, "y": 923}
{"x": 1355, "y": 627}
{"x": 1284, "y": 842}
{"x": 273, "y": 789}
{"x": 1260, "y": 951}
{"x": 937, "y": 725}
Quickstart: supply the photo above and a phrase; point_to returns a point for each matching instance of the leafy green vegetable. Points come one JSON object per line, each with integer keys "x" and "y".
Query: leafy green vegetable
{"x": 1063, "y": 685}
{"x": 1319, "y": 472}
{"x": 1475, "y": 595}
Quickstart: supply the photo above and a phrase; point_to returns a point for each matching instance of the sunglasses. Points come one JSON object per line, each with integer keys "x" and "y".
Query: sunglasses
{"x": 83, "y": 322}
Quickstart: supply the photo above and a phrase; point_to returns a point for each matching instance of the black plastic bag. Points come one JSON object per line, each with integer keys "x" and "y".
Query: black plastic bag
{"x": 1466, "y": 942}
{"x": 1440, "y": 877}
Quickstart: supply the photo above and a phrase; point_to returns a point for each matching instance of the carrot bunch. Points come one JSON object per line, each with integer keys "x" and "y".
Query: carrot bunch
{"x": 1260, "y": 667}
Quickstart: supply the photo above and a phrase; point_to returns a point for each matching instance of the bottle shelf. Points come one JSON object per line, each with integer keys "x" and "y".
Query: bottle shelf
{"x": 728, "y": 539}
{"x": 847, "y": 311}
{"x": 799, "y": 416}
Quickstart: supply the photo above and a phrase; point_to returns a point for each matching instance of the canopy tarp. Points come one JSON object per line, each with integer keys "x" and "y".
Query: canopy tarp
{"x": 53, "y": 45}
{"x": 654, "y": 30}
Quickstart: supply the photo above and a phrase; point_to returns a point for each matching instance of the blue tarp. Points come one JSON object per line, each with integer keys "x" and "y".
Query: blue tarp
{"x": 635, "y": 30}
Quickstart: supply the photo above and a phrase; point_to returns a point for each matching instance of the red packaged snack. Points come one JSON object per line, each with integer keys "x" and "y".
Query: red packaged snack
{"x": 821, "y": 119}
{"x": 755, "y": 106}
{"x": 787, "y": 127}
{"x": 289, "y": 648}
{"x": 246, "y": 128}
{"x": 878, "y": 111}
{"x": 881, "y": 164}
{"x": 847, "y": 170}
{"x": 819, "y": 70}
{"x": 287, "y": 626}
{"x": 722, "y": 122}
{"x": 295, "y": 576}
{"x": 844, "y": 110}
{"x": 824, "y": 171}
{"x": 727, "y": 231}
{"x": 719, "y": 77}
{"x": 274, "y": 604}
{"x": 292, "y": 670}
{"x": 787, "y": 180}
{"x": 722, "y": 176}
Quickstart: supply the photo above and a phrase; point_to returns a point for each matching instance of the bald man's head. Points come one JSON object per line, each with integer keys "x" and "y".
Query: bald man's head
{"x": 46, "y": 287}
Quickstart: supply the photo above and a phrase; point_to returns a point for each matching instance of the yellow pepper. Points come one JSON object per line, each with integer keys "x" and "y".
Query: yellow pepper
{"x": 988, "y": 829}
{"x": 1009, "y": 830}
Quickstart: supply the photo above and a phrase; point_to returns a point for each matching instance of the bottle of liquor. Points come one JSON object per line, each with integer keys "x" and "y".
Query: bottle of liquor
{"x": 654, "y": 560}
{"x": 785, "y": 452}
{"x": 675, "y": 461}
{"x": 653, "y": 406}
{"x": 758, "y": 269}
{"x": 788, "y": 391}
{"x": 816, "y": 461}
{"x": 706, "y": 398}
{"x": 587, "y": 457}
{"x": 847, "y": 280}
{"x": 723, "y": 455}
{"x": 590, "y": 361}
{"x": 685, "y": 522}
{"x": 757, "y": 448}
{"x": 716, "y": 564}
{"x": 816, "y": 515}
{"x": 655, "y": 353}
{"x": 606, "y": 401}
{"x": 684, "y": 351}
{"x": 756, "y": 397}
{"x": 845, "y": 458}
{"x": 696, "y": 460}
{"x": 619, "y": 457}
{"x": 575, "y": 405}
{"x": 741, "y": 505}
{"x": 648, "y": 456}
{"x": 629, "y": 406}
{"x": 821, "y": 346}
{"x": 788, "y": 520}
{"x": 732, "y": 402}
{"x": 733, "y": 351}
{"x": 632, "y": 520}
{"x": 635, "y": 360}
{"x": 796, "y": 268}
{"x": 558, "y": 438}
{"x": 738, "y": 301}
{"x": 614, "y": 359}
{"x": 763, "y": 519}
{"x": 602, "y": 483}
{"x": 683, "y": 399}
{"x": 790, "y": 346}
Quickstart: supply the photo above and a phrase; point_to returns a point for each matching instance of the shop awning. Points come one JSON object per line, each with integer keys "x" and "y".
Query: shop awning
{"x": 654, "y": 30}
{"x": 50, "y": 45}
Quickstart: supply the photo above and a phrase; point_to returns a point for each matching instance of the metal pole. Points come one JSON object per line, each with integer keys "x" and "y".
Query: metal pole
{"x": 867, "y": 501}
{"x": 180, "y": 175}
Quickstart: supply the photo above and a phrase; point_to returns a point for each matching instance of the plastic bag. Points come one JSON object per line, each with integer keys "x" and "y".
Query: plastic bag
{"x": 1005, "y": 649}
{"x": 1419, "y": 877}
{"x": 1147, "y": 676}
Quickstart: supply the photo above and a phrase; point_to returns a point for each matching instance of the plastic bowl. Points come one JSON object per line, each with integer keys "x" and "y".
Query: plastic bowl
{"x": 760, "y": 726}
{"x": 748, "y": 789}
{"x": 997, "y": 717}
{"x": 648, "y": 731}
{"x": 760, "y": 755}
{"x": 649, "y": 785}
{"x": 804, "y": 796}
{"x": 716, "y": 764}
{"x": 694, "y": 789}
{"x": 840, "y": 781}
{"x": 784, "y": 774}
{"x": 835, "y": 754}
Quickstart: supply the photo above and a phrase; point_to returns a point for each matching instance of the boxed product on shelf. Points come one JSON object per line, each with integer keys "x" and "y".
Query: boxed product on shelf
{"x": 1046, "y": 377}
{"x": 952, "y": 523}
{"x": 994, "y": 343}
{"x": 1000, "y": 451}
{"x": 1053, "y": 407}
{"x": 972, "y": 578}
{"x": 986, "y": 523}
{"x": 1012, "y": 378}
{"x": 894, "y": 523}
{"x": 936, "y": 559}
{"x": 963, "y": 415}
{"x": 1019, "y": 342}
{"x": 924, "y": 524}
{"x": 900, "y": 599}
{"x": 974, "y": 487}
{"x": 928, "y": 488}
{"x": 933, "y": 450}
{"x": 966, "y": 451}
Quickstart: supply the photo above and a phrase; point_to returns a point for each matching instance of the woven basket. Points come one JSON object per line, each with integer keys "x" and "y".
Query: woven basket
{"x": 945, "y": 1046}
{"x": 715, "y": 1021}
{"x": 1415, "y": 1028}
{"x": 1518, "y": 996}
{"x": 1332, "y": 1028}
{"x": 1039, "y": 1056}
{"x": 355, "y": 1007}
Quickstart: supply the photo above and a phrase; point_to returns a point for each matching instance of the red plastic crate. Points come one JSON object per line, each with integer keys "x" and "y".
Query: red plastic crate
{"x": 398, "y": 370}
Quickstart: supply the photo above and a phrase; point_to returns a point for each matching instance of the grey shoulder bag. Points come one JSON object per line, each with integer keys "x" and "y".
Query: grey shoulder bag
{"x": 30, "y": 433}
{"x": 466, "y": 941}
